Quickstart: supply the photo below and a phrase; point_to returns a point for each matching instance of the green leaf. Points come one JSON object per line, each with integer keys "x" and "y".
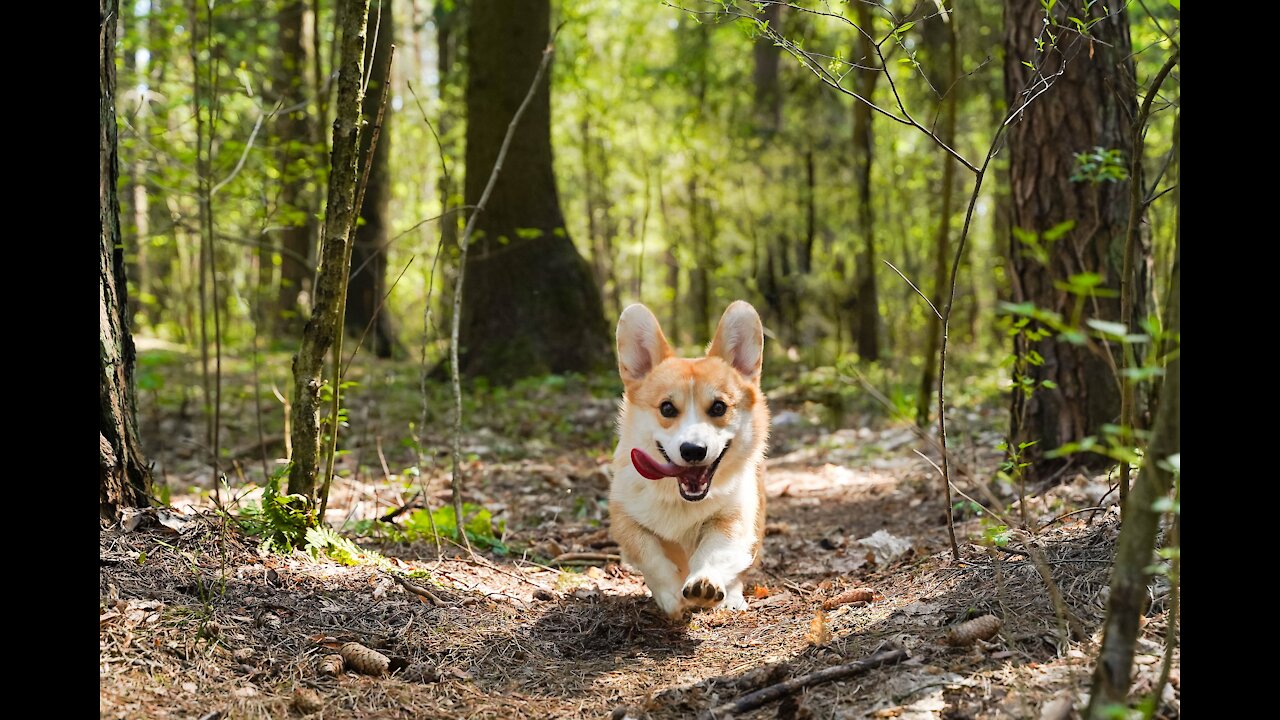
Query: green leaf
{"x": 1106, "y": 327}
{"x": 1059, "y": 230}
{"x": 1177, "y": 4}
{"x": 1085, "y": 280}
{"x": 904, "y": 27}
{"x": 1022, "y": 308}
{"x": 1140, "y": 374}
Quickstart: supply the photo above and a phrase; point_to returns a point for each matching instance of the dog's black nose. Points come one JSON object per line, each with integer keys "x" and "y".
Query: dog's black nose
{"x": 693, "y": 453}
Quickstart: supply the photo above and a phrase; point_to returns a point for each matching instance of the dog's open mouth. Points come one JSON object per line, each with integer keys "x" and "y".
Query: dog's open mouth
{"x": 694, "y": 481}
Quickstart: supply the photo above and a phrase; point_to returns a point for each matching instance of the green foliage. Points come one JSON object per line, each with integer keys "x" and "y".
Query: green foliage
{"x": 479, "y": 525}
{"x": 1120, "y": 712}
{"x": 1013, "y": 467}
{"x": 281, "y": 521}
{"x": 326, "y": 400}
{"x": 1100, "y": 165}
{"x": 994, "y": 533}
{"x": 325, "y": 541}
{"x": 1114, "y": 441}
{"x": 1033, "y": 324}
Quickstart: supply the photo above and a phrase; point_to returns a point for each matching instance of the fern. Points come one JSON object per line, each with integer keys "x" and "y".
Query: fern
{"x": 280, "y": 519}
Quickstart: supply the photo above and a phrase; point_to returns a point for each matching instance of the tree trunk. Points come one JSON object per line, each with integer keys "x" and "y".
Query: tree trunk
{"x": 294, "y": 136}
{"x": 942, "y": 250}
{"x": 368, "y": 281}
{"x": 530, "y": 305}
{"x": 700, "y": 273}
{"x": 672, "y": 264}
{"x": 810, "y": 211}
{"x": 768, "y": 91}
{"x": 599, "y": 255}
{"x": 135, "y": 190}
{"x": 867, "y": 307}
{"x": 447, "y": 17}
{"x": 608, "y": 230}
{"x": 340, "y": 214}
{"x": 1141, "y": 521}
{"x": 125, "y": 479}
{"x": 1091, "y": 105}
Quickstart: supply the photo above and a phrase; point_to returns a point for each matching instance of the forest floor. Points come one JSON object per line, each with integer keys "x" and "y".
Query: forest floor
{"x": 196, "y": 622}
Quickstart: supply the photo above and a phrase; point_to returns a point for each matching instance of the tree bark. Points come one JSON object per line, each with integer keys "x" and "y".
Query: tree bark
{"x": 867, "y": 306}
{"x": 340, "y": 213}
{"x": 368, "y": 281}
{"x": 448, "y": 17}
{"x": 1141, "y": 521}
{"x": 1089, "y": 106}
{"x": 295, "y": 150}
{"x": 530, "y": 305}
{"x": 125, "y": 479}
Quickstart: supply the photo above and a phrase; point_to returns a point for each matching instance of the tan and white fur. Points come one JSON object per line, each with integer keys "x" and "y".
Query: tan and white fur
{"x": 693, "y": 553}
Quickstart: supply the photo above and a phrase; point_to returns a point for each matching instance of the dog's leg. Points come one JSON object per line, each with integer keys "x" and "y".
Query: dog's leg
{"x": 663, "y": 564}
{"x": 725, "y": 551}
{"x": 733, "y": 598}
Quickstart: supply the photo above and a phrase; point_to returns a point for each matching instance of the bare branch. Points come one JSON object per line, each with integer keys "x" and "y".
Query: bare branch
{"x": 244, "y": 155}
{"x": 913, "y": 287}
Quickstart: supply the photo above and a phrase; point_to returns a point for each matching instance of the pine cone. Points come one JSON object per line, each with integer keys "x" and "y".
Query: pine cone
{"x": 849, "y": 596}
{"x": 966, "y": 633}
{"x": 363, "y": 660}
{"x": 331, "y": 665}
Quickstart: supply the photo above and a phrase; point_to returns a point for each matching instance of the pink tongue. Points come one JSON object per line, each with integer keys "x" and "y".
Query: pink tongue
{"x": 651, "y": 468}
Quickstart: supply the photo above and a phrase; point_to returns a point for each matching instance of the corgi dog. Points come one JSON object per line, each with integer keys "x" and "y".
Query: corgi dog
{"x": 686, "y": 502}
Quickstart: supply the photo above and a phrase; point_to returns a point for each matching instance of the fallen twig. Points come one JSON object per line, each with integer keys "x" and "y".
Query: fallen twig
{"x": 413, "y": 503}
{"x": 419, "y": 591}
{"x": 1064, "y": 516}
{"x": 584, "y": 558}
{"x": 753, "y": 700}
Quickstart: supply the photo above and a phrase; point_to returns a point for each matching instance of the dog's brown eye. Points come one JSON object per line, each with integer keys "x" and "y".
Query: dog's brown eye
{"x": 667, "y": 409}
{"x": 718, "y": 408}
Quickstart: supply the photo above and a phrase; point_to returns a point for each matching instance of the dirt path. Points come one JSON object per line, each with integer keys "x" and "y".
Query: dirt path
{"x": 198, "y": 622}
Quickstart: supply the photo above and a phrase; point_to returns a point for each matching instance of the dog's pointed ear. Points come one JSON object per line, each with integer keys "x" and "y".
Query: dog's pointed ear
{"x": 641, "y": 344}
{"x": 739, "y": 340}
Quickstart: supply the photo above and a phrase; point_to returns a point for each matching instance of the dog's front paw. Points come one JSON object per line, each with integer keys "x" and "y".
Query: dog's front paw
{"x": 703, "y": 592}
